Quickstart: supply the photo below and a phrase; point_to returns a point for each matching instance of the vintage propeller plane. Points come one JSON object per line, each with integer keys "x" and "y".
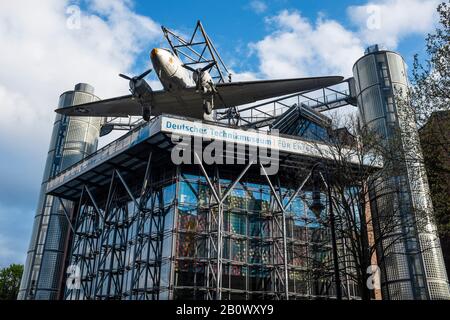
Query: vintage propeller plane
{"x": 189, "y": 92}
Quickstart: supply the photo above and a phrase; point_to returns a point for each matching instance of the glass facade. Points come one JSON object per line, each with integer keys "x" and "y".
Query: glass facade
{"x": 158, "y": 245}
{"x": 162, "y": 243}
{"x": 300, "y": 125}
{"x": 309, "y": 130}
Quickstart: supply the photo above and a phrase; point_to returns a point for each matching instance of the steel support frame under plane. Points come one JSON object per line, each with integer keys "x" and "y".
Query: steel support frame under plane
{"x": 198, "y": 51}
{"x": 265, "y": 113}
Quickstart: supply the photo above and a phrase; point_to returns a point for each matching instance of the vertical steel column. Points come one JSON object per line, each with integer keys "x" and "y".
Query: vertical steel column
{"x": 218, "y": 246}
{"x": 155, "y": 238}
{"x": 219, "y": 236}
{"x": 141, "y": 214}
{"x": 113, "y": 254}
{"x": 283, "y": 213}
{"x": 84, "y": 248}
{"x": 220, "y": 200}
{"x": 337, "y": 276}
{"x": 175, "y": 234}
{"x": 283, "y": 217}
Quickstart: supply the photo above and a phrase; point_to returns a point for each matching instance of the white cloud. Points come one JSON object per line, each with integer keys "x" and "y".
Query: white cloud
{"x": 258, "y": 6}
{"x": 41, "y": 58}
{"x": 386, "y": 22}
{"x": 44, "y": 58}
{"x": 243, "y": 76}
{"x": 299, "y": 47}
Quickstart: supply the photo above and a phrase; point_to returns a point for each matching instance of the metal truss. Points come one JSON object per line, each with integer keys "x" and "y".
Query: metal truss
{"x": 84, "y": 251}
{"x": 215, "y": 238}
{"x": 198, "y": 51}
{"x": 113, "y": 242}
{"x": 150, "y": 234}
{"x": 264, "y": 114}
{"x": 121, "y": 237}
{"x": 103, "y": 250}
{"x": 280, "y": 259}
{"x": 278, "y": 207}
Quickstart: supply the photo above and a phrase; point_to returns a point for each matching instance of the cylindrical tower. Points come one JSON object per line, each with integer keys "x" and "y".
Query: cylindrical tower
{"x": 73, "y": 138}
{"x": 411, "y": 257}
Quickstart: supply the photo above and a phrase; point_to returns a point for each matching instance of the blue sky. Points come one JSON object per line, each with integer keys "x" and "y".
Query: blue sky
{"x": 234, "y": 25}
{"x": 42, "y": 56}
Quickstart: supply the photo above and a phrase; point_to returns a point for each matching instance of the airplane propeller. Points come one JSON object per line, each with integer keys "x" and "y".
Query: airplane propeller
{"x": 198, "y": 78}
{"x": 198, "y": 73}
{"x": 135, "y": 81}
{"x": 141, "y": 76}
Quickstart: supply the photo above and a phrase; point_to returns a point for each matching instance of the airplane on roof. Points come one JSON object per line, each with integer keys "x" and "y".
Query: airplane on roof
{"x": 189, "y": 92}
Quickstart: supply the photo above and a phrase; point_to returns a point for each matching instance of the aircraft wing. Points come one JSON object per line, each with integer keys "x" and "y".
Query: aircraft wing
{"x": 115, "y": 107}
{"x": 189, "y": 103}
{"x": 238, "y": 93}
{"x": 186, "y": 103}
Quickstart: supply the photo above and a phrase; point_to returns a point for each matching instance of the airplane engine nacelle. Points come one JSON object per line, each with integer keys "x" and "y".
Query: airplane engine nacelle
{"x": 140, "y": 89}
{"x": 203, "y": 80}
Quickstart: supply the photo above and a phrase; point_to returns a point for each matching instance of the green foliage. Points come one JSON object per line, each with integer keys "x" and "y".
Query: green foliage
{"x": 430, "y": 99}
{"x": 10, "y": 281}
{"x": 430, "y": 93}
{"x": 435, "y": 140}
{"x": 430, "y": 83}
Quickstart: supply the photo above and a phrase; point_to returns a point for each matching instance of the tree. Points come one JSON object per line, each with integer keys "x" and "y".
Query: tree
{"x": 10, "y": 281}
{"x": 435, "y": 140}
{"x": 360, "y": 182}
{"x": 430, "y": 99}
{"x": 430, "y": 83}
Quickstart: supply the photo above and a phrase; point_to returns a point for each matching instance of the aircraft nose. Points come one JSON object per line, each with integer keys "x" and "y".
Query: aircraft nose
{"x": 154, "y": 53}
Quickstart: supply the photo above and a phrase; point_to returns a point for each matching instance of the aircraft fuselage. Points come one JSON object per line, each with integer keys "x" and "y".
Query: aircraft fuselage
{"x": 170, "y": 71}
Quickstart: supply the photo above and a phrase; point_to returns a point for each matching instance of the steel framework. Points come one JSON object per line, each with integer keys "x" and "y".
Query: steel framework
{"x": 264, "y": 114}
{"x": 141, "y": 239}
{"x": 198, "y": 51}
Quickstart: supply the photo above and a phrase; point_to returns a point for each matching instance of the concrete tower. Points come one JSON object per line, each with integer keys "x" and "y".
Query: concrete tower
{"x": 413, "y": 267}
{"x": 73, "y": 139}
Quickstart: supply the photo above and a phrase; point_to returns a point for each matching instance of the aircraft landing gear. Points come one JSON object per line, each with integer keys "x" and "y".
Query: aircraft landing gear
{"x": 208, "y": 117}
{"x": 208, "y": 105}
{"x": 146, "y": 114}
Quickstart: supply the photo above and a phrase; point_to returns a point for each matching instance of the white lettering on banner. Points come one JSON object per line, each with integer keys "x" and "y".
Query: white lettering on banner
{"x": 174, "y": 126}
{"x": 259, "y": 139}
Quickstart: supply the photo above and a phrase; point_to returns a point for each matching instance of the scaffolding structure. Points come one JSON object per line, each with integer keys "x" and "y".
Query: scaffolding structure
{"x": 264, "y": 114}
{"x": 198, "y": 51}
{"x": 143, "y": 229}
